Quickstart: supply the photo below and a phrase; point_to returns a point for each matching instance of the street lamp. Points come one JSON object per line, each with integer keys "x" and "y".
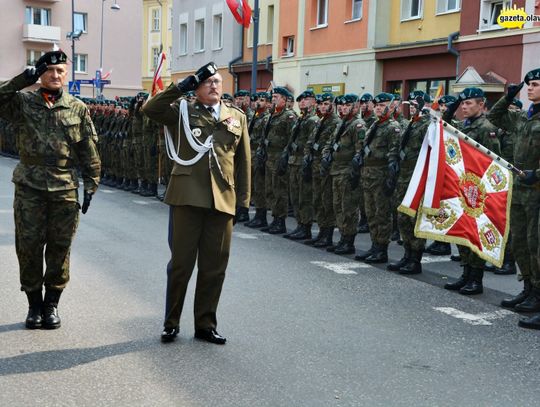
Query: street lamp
{"x": 114, "y": 7}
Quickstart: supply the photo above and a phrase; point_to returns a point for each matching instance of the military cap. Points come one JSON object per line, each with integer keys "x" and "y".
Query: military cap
{"x": 397, "y": 96}
{"x": 227, "y": 96}
{"x": 125, "y": 105}
{"x": 327, "y": 96}
{"x": 264, "y": 95}
{"x": 282, "y": 91}
{"x": 253, "y": 97}
{"x": 533, "y": 75}
{"x": 383, "y": 97}
{"x": 52, "y": 58}
{"x": 366, "y": 97}
{"x": 338, "y": 100}
{"x": 419, "y": 93}
{"x": 350, "y": 98}
{"x": 471, "y": 93}
{"x": 309, "y": 94}
{"x": 447, "y": 99}
{"x": 241, "y": 92}
{"x": 517, "y": 102}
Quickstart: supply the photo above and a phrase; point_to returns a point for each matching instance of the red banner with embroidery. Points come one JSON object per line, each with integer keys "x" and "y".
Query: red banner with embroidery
{"x": 157, "y": 83}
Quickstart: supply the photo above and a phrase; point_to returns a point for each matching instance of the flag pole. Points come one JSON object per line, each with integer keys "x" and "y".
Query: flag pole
{"x": 462, "y": 136}
{"x": 255, "y": 47}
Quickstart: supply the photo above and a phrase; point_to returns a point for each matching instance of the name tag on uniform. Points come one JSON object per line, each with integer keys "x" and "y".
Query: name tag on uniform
{"x": 367, "y": 151}
{"x": 402, "y": 155}
{"x": 316, "y": 147}
{"x": 336, "y": 146}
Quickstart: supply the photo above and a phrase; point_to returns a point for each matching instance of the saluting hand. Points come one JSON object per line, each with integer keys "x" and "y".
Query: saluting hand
{"x": 32, "y": 74}
{"x": 513, "y": 90}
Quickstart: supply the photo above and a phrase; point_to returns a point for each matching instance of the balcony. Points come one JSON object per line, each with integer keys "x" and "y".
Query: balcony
{"x": 41, "y": 33}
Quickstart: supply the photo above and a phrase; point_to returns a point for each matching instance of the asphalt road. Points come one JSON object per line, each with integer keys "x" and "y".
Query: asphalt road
{"x": 304, "y": 327}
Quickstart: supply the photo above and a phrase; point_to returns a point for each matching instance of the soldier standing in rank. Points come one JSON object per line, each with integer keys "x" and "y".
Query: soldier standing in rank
{"x": 151, "y": 134}
{"x": 524, "y": 212}
{"x": 256, "y": 136}
{"x": 205, "y": 187}
{"x": 277, "y": 132}
{"x": 410, "y": 145}
{"x": 379, "y": 161}
{"x": 337, "y": 161}
{"x": 300, "y": 187}
{"x": 242, "y": 100}
{"x": 136, "y": 140}
{"x": 479, "y": 128}
{"x": 322, "y": 184}
{"x": 56, "y": 135}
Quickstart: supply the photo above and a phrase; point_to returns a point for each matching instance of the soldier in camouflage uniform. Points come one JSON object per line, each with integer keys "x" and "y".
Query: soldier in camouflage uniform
{"x": 479, "y": 128}
{"x": 379, "y": 161}
{"x": 242, "y": 100}
{"x": 256, "y": 136}
{"x": 410, "y": 145}
{"x": 337, "y": 159}
{"x": 136, "y": 140}
{"x": 524, "y": 212}
{"x": 56, "y": 135}
{"x": 300, "y": 186}
{"x": 151, "y": 134}
{"x": 322, "y": 184}
{"x": 278, "y": 131}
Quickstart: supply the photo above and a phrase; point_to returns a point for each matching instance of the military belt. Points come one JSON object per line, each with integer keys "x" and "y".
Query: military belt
{"x": 375, "y": 162}
{"x": 47, "y": 161}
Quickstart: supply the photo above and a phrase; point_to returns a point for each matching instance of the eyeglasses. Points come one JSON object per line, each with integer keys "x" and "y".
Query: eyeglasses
{"x": 214, "y": 82}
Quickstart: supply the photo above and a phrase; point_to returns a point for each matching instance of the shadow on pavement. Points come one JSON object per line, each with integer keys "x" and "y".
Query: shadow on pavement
{"x": 18, "y": 326}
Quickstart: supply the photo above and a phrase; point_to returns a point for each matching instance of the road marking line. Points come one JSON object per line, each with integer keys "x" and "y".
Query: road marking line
{"x": 435, "y": 259}
{"x": 107, "y": 191}
{"x": 341, "y": 268}
{"x": 474, "y": 319}
{"x": 6, "y": 210}
{"x": 248, "y": 236}
{"x": 139, "y": 202}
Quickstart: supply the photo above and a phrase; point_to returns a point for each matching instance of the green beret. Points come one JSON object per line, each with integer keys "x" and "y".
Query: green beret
{"x": 419, "y": 93}
{"x": 447, "y": 99}
{"x": 471, "y": 93}
{"x": 309, "y": 94}
{"x": 282, "y": 91}
{"x": 366, "y": 97}
{"x": 52, "y": 58}
{"x": 350, "y": 98}
{"x": 397, "y": 96}
{"x": 327, "y": 96}
{"x": 383, "y": 97}
{"x": 241, "y": 92}
{"x": 533, "y": 75}
{"x": 264, "y": 95}
{"x": 517, "y": 102}
{"x": 227, "y": 96}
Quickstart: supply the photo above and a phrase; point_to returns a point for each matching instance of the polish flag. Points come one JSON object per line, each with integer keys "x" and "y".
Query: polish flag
{"x": 157, "y": 83}
{"x": 241, "y": 11}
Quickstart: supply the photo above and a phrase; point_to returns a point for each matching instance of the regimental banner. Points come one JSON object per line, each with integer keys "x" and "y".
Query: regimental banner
{"x": 460, "y": 195}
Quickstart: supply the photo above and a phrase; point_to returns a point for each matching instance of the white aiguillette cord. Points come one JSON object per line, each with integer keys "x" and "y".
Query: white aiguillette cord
{"x": 200, "y": 148}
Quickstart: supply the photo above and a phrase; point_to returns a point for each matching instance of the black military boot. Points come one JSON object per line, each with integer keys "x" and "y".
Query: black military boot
{"x": 530, "y": 323}
{"x": 394, "y": 237}
{"x": 106, "y": 180}
{"x": 151, "y": 190}
{"x": 461, "y": 282}
{"x": 332, "y": 248}
{"x": 34, "y": 318}
{"x": 347, "y": 247}
{"x": 490, "y": 268}
{"x": 363, "y": 226}
{"x": 137, "y": 189}
{"x": 259, "y": 221}
{"x": 320, "y": 235}
{"x": 143, "y": 189}
{"x": 295, "y": 230}
{"x": 522, "y": 296}
{"x": 379, "y": 256}
{"x": 279, "y": 227}
{"x": 439, "y": 249}
{"x": 455, "y": 257}
{"x": 531, "y": 303}
{"x": 242, "y": 214}
{"x": 133, "y": 185}
{"x": 51, "y": 319}
{"x": 327, "y": 240}
{"x": 303, "y": 234}
{"x": 397, "y": 265}
{"x": 414, "y": 265}
{"x": 474, "y": 283}
{"x": 270, "y": 226}
{"x": 124, "y": 185}
{"x": 364, "y": 255}
{"x": 508, "y": 268}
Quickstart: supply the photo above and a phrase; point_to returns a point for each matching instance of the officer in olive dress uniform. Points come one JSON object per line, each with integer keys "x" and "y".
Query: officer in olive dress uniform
{"x": 205, "y": 187}
{"x": 56, "y": 135}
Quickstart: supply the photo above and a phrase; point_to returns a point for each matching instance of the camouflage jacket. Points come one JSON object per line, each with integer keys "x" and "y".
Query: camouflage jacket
{"x": 369, "y": 119}
{"x": 150, "y": 132}
{"x": 303, "y": 130}
{"x": 257, "y": 126}
{"x": 53, "y": 141}
{"x": 344, "y": 149}
{"x": 326, "y": 131}
{"x": 409, "y": 152}
{"x": 383, "y": 148}
{"x": 483, "y": 131}
{"x": 137, "y": 127}
{"x": 279, "y": 134}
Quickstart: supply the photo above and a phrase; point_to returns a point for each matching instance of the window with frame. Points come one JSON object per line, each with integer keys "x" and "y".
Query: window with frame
{"x": 37, "y": 16}
{"x": 155, "y": 57}
{"x": 80, "y": 21}
{"x": 490, "y": 10}
{"x": 270, "y": 26}
{"x": 411, "y": 9}
{"x": 288, "y": 46}
{"x": 357, "y": 9}
{"x": 183, "y": 43}
{"x": 156, "y": 19}
{"x": 322, "y": 13}
{"x": 32, "y": 56}
{"x": 217, "y": 36}
{"x": 448, "y": 6}
{"x": 80, "y": 62}
{"x": 199, "y": 35}
{"x": 170, "y": 18}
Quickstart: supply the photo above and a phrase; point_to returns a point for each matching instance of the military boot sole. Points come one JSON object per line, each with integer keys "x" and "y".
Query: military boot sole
{"x": 512, "y": 302}
{"x": 530, "y": 323}
{"x": 277, "y": 231}
{"x": 55, "y": 325}
{"x": 349, "y": 250}
{"x": 471, "y": 291}
{"x": 523, "y": 307}
{"x": 303, "y": 236}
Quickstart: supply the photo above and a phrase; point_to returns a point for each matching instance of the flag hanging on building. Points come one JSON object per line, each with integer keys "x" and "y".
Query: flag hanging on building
{"x": 157, "y": 83}
{"x": 241, "y": 11}
{"x": 460, "y": 195}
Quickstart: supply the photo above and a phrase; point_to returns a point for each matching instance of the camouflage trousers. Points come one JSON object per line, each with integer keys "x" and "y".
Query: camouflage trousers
{"x": 378, "y": 210}
{"x": 150, "y": 169}
{"x": 165, "y": 164}
{"x": 258, "y": 191}
{"x": 276, "y": 188}
{"x": 44, "y": 221}
{"x": 345, "y": 202}
{"x": 470, "y": 258}
{"x": 301, "y": 195}
{"x": 524, "y": 217}
{"x": 138, "y": 160}
{"x": 322, "y": 197}
{"x": 126, "y": 161}
{"x": 405, "y": 222}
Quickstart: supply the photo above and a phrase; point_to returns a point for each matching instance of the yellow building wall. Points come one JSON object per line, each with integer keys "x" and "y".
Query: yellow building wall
{"x": 152, "y": 39}
{"x": 429, "y": 26}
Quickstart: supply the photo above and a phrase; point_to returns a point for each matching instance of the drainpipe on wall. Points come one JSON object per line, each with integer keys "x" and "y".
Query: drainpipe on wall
{"x": 235, "y": 60}
{"x": 451, "y": 50}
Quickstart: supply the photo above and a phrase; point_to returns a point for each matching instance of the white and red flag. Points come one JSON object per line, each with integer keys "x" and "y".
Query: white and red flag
{"x": 241, "y": 11}
{"x": 460, "y": 195}
{"x": 157, "y": 83}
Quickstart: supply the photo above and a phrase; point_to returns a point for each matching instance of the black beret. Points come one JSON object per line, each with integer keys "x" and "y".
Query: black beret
{"x": 327, "y": 96}
{"x": 264, "y": 95}
{"x": 366, "y": 97}
{"x": 447, "y": 99}
{"x": 241, "y": 92}
{"x": 383, "y": 97}
{"x": 226, "y": 96}
{"x": 419, "y": 93}
{"x": 350, "y": 98}
{"x": 533, "y": 75}
{"x": 471, "y": 93}
{"x": 52, "y": 58}
{"x": 282, "y": 91}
